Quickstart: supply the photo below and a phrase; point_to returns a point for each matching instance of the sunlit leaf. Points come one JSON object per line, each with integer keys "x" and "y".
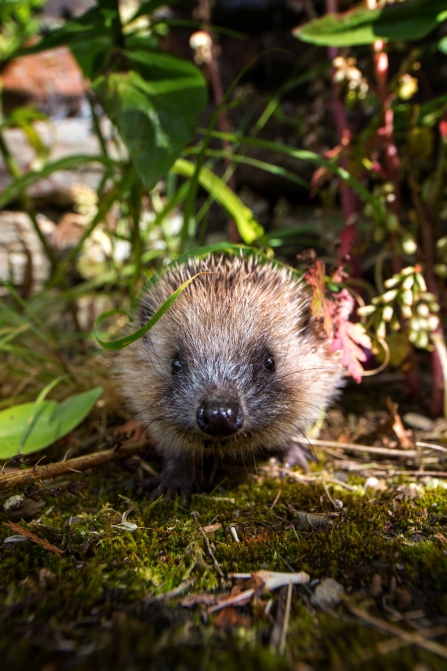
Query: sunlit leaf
{"x": 154, "y": 106}
{"x": 400, "y": 21}
{"x": 45, "y": 425}
{"x": 249, "y": 229}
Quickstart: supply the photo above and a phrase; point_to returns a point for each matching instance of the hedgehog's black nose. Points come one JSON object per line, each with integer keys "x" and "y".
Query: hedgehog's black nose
{"x": 220, "y": 416}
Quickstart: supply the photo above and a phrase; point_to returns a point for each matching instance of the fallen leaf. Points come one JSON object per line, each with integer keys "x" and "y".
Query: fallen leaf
{"x": 327, "y": 594}
{"x": 211, "y": 528}
{"x": 403, "y": 436}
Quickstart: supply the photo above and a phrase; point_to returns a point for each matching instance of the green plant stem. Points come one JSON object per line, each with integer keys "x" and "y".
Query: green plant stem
{"x": 97, "y": 126}
{"x": 16, "y": 173}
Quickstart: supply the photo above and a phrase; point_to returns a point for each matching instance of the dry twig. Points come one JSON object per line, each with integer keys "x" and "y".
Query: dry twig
{"x": 413, "y": 638}
{"x": 34, "y": 539}
{"x": 23, "y": 477}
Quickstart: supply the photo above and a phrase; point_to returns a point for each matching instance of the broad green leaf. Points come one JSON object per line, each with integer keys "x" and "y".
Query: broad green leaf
{"x": 249, "y": 229}
{"x": 154, "y": 106}
{"x": 50, "y": 422}
{"x": 411, "y": 20}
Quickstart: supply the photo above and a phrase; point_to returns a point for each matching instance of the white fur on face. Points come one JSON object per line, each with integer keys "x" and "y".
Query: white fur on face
{"x": 222, "y": 329}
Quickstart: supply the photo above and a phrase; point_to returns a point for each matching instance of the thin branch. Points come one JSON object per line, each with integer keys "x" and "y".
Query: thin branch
{"x": 408, "y": 636}
{"x": 20, "y": 478}
{"x": 195, "y": 514}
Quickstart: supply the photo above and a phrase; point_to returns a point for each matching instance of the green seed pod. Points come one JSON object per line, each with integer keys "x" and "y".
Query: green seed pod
{"x": 421, "y": 282}
{"x": 408, "y": 282}
{"x": 366, "y": 310}
{"x": 395, "y": 324}
{"x": 422, "y": 310}
{"x": 433, "y": 322}
{"x": 389, "y": 296}
{"x": 440, "y": 269}
{"x": 381, "y": 330}
{"x": 392, "y": 281}
{"x": 407, "y": 312}
{"x": 434, "y": 307}
{"x": 407, "y": 297}
{"x": 422, "y": 340}
{"x": 392, "y": 222}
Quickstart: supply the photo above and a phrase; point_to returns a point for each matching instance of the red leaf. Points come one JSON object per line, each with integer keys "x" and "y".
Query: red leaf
{"x": 350, "y": 338}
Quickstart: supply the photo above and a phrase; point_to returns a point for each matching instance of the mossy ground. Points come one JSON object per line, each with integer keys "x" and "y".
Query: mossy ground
{"x": 88, "y": 608}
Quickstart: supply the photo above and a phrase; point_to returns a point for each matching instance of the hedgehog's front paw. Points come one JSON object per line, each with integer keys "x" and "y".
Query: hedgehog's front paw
{"x": 177, "y": 477}
{"x": 295, "y": 455}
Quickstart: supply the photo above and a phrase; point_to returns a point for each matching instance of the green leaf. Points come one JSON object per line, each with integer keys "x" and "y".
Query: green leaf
{"x": 401, "y": 21}
{"x": 127, "y": 340}
{"x": 154, "y": 106}
{"x": 150, "y": 6}
{"x": 50, "y": 422}
{"x": 21, "y": 183}
{"x": 249, "y": 229}
{"x": 304, "y": 155}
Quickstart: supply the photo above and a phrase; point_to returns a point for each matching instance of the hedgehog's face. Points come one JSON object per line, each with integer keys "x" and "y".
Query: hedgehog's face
{"x": 225, "y": 387}
{"x": 222, "y": 386}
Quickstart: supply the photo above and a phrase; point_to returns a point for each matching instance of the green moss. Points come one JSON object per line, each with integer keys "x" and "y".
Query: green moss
{"x": 86, "y": 610}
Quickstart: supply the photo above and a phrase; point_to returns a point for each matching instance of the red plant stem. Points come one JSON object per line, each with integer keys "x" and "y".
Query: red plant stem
{"x": 429, "y": 254}
{"x": 347, "y": 195}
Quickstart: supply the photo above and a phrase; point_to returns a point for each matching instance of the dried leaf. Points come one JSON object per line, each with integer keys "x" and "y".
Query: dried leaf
{"x": 402, "y": 434}
{"x": 319, "y": 306}
{"x": 327, "y": 594}
{"x": 212, "y": 527}
{"x": 33, "y": 538}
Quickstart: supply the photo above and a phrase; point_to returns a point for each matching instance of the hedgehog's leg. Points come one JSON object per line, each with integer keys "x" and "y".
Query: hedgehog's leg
{"x": 177, "y": 477}
{"x": 295, "y": 455}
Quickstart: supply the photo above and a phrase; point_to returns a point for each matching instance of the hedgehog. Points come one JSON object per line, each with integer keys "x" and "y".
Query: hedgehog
{"x": 237, "y": 367}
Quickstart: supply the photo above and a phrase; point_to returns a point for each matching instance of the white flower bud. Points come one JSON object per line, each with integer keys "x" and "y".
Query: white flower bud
{"x": 389, "y": 296}
{"x": 412, "y": 336}
{"x": 407, "y": 297}
{"x": 389, "y": 284}
{"x": 422, "y": 310}
{"x": 387, "y": 313}
{"x": 421, "y": 282}
{"x": 434, "y": 307}
{"x": 408, "y": 282}
{"x": 366, "y": 310}
{"x": 409, "y": 270}
{"x": 407, "y": 312}
{"x": 422, "y": 340}
{"x": 433, "y": 322}
{"x": 381, "y": 330}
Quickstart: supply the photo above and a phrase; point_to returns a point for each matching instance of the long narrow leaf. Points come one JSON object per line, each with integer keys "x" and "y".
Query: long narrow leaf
{"x": 18, "y": 185}
{"x": 304, "y": 155}
{"x": 127, "y": 340}
{"x": 249, "y": 229}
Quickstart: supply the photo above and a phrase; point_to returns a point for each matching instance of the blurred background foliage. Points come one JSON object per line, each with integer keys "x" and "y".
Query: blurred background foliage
{"x": 132, "y": 132}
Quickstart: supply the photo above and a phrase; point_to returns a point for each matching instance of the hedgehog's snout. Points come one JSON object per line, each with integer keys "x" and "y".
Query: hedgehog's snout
{"x": 220, "y": 416}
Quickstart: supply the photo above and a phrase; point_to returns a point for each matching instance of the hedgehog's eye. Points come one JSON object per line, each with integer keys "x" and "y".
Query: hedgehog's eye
{"x": 270, "y": 363}
{"x": 176, "y": 366}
